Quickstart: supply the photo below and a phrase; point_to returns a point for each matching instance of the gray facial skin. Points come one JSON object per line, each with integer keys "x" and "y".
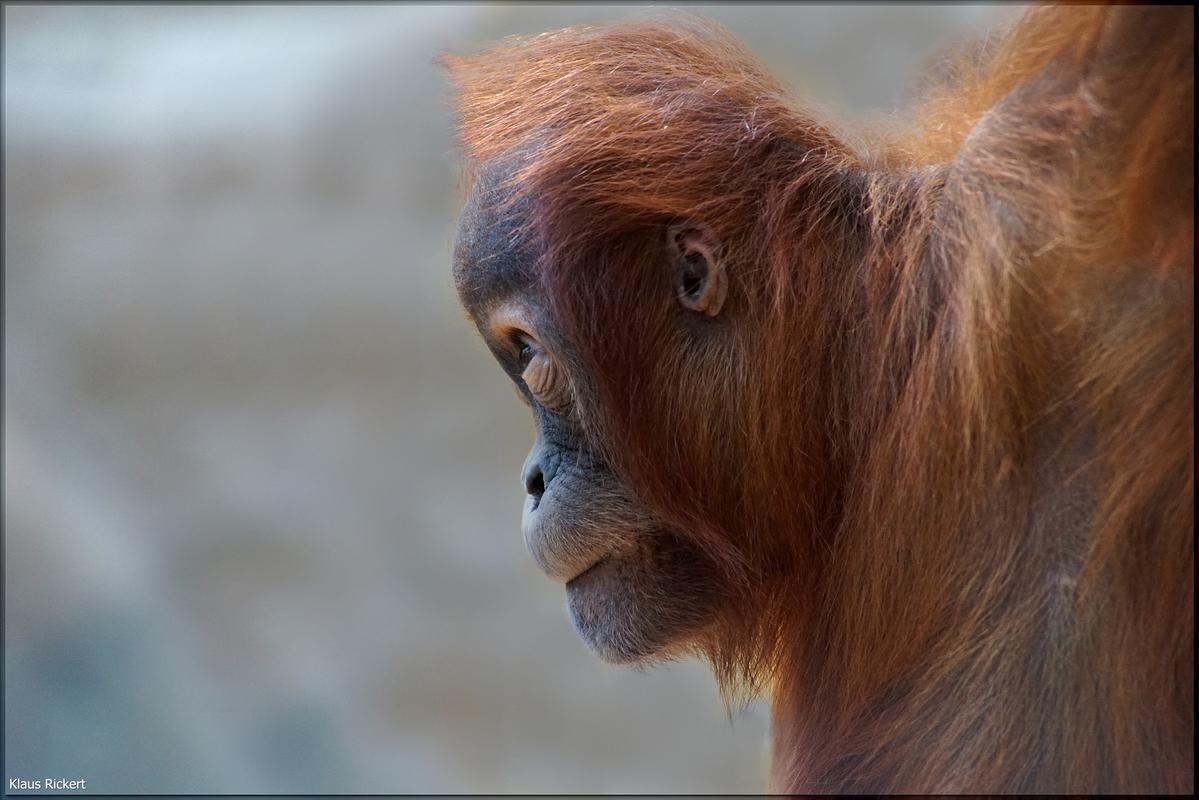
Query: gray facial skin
{"x": 634, "y": 590}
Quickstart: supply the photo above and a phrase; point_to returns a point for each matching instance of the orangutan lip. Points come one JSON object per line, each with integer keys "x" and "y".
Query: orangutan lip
{"x": 588, "y": 571}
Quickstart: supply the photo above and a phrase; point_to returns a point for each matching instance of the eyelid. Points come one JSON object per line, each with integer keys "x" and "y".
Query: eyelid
{"x": 511, "y": 329}
{"x": 546, "y": 381}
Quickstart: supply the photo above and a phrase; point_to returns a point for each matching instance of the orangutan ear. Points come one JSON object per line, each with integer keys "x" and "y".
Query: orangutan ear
{"x": 700, "y": 283}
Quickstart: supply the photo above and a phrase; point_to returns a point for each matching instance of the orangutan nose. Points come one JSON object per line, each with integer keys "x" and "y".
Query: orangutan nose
{"x": 534, "y": 480}
{"x": 539, "y": 471}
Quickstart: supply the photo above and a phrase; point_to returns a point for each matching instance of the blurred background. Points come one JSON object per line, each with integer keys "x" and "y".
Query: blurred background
{"x": 261, "y": 480}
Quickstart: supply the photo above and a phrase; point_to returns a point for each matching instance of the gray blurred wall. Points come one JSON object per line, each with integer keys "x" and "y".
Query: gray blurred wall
{"x": 261, "y": 493}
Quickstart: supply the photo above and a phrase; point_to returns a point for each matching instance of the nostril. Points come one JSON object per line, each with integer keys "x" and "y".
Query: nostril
{"x": 534, "y": 481}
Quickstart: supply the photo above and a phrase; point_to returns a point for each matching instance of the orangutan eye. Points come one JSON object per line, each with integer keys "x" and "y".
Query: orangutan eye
{"x": 540, "y": 371}
{"x": 545, "y": 380}
{"x": 525, "y": 354}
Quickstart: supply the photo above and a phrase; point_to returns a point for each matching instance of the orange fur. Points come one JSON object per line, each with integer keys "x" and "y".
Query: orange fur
{"x": 945, "y": 453}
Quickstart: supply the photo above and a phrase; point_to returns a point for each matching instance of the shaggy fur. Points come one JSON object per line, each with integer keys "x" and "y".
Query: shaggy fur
{"x": 941, "y": 441}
